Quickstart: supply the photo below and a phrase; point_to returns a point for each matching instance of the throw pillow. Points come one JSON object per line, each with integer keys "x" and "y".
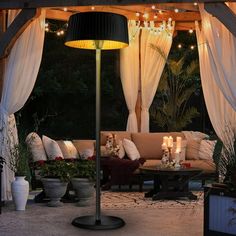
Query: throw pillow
{"x": 195, "y": 135}
{"x": 86, "y": 153}
{"x": 192, "y": 150}
{"x": 206, "y": 149}
{"x": 131, "y": 149}
{"x": 52, "y": 148}
{"x": 183, "y": 149}
{"x": 68, "y": 149}
{"x": 104, "y": 151}
{"x": 121, "y": 152}
{"x": 35, "y": 144}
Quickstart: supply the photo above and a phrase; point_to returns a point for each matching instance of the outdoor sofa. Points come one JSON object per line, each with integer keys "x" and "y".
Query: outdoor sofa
{"x": 196, "y": 148}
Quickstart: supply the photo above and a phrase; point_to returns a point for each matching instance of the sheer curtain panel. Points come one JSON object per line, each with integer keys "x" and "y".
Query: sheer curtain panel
{"x": 20, "y": 75}
{"x": 129, "y": 72}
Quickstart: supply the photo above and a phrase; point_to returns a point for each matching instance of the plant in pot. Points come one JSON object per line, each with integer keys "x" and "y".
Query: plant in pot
{"x": 19, "y": 164}
{"x": 56, "y": 174}
{"x": 83, "y": 181}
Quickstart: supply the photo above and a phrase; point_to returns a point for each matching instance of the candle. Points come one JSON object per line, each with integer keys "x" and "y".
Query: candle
{"x": 165, "y": 140}
{"x": 177, "y": 156}
{"x": 170, "y": 142}
{"x": 178, "y": 143}
{"x": 164, "y": 146}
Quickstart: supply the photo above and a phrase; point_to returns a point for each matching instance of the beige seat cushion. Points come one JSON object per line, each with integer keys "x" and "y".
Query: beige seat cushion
{"x": 149, "y": 144}
{"x": 206, "y": 149}
{"x": 35, "y": 145}
{"x": 152, "y": 163}
{"x": 120, "y": 135}
{"x": 206, "y": 165}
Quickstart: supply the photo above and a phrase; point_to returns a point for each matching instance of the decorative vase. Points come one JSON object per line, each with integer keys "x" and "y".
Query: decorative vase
{"x": 84, "y": 189}
{"x": 20, "y": 192}
{"x": 54, "y": 189}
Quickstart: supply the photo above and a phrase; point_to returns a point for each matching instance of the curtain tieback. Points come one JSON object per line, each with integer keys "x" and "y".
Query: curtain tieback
{"x": 145, "y": 109}
{"x": 3, "y": 117}
{"x": 132, "y": 112}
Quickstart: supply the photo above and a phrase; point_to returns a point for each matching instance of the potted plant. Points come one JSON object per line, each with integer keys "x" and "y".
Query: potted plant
{"x": 83, "y": 181}
{"x": 56, "y": 175}
{"x": 19, "y": 164}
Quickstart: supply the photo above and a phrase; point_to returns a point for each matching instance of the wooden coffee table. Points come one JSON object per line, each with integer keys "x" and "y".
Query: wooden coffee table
{"x": 170, "y": 183}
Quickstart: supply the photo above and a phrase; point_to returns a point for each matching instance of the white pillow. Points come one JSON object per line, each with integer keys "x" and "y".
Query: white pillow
{"x": 86, "y": 153}
{"x": 52, "y": 148}
{"x": 35, "y": 144}
{"x": 183, "y": 149}
{"x": 206, "y": 149}
{"x": 194, "y": 135}
{"x": 131, "y": 149}
{"x": 121, "y": 152}
{"x": 71, "y": 149}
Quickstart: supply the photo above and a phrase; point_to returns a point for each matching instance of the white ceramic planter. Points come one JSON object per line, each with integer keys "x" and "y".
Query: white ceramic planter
{"x": 20, "y": 192}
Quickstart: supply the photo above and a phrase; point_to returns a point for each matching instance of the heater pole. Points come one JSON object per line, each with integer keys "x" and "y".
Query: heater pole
{"x": 98, "y": 125}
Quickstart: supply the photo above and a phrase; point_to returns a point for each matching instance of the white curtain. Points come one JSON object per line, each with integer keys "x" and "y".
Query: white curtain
{"x": 20, "y": 75}
{"x": 129, "y": 72}
{"x": 152, "y": 65}
{"x": 222, "y": 49}
{"x": 221, "y": 113}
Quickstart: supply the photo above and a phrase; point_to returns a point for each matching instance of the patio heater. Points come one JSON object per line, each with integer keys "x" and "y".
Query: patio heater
{"x": 97, "y": 31}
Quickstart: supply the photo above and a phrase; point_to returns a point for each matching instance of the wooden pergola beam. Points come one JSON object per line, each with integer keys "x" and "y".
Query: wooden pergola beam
{"x": 19, "y": 4}
{"x": 16, "y": 28}
{"x": 224, "y": 14}
{"x": 183, "y": 16}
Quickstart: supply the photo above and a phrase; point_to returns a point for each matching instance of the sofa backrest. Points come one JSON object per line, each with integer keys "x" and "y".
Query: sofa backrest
{"x": 82, "y": 145}
{"x": 149, "y": 144}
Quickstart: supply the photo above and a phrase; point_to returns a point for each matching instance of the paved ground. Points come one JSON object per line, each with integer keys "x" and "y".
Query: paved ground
{"x": 40, "y": 220}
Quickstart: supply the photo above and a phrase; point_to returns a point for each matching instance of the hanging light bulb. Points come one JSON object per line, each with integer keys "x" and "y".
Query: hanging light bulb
{"x": 160, "y": 11}
{"x": 190, "y": 31}
{"x": 153, "y": 7}
{"x": 179, "y": 46}
{"x": 191, "y": 47}
{"x": 176, "y": 10}
{"x": 195, "y": 4}
{"x": 92, "y": 8}
{"x": 64, "y": 9}
{"x": 137, "y": 14}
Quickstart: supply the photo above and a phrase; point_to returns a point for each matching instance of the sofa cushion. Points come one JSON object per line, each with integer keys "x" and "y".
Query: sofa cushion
{"x": 52, "y": 148}
{"x": 35, "y": 145}
{"x": 206, "y": 149}
{"x": 82, "y": 145}
{"x": 192, "y": 150}
{"x": 131, "y": 149}
{"x": 120, "y": 135}
{"x": 68, "y": 149}
{"x": 149, "y": 144}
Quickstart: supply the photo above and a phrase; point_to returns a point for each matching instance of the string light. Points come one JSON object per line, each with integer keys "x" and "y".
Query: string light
{"x": 195, "y": 4}
{"x": 145, "y": 15}
{"x": 190, "y": 31}
{"x": 64, "y": 9}
{"x": 176, "y": 10}
{"x": 51, "y": 28}
{"x": 155, "y": 17}
{"x": 160, "y": 11}
{"x": 137, "y": 14}
{"x": 192, "y": 47}
{"x": 153, "y": 7}
{"x": 92, "y": 8}
{"x": 179, "y": 46}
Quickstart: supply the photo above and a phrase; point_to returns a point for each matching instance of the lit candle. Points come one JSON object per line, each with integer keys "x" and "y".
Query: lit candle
{"x": 165, "y": 140}
{"x": 164, "y": 146}
{"x": 170, "y": 142}
{"x": 178, "y": 143}
{"x": 177, "y": 156}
